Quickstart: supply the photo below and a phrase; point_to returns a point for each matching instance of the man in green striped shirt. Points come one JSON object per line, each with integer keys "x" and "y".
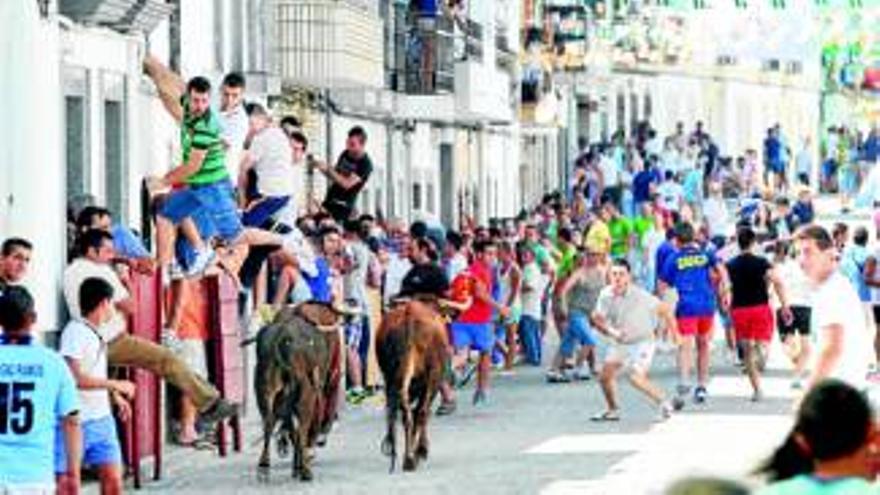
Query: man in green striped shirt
{"x": 202, "y": 200}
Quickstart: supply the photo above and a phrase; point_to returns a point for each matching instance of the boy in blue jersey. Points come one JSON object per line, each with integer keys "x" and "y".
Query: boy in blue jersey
{"x": 85, "y": 351}
{"x": 37, "y": 393}
{"x": 693, "y": 272}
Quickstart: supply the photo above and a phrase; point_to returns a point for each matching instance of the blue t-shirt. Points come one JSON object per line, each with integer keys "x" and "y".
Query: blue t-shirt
{"x": 320, "y": 283}
{"x": 664, "y": 251}
{"x": 693, "y": 184}
{"x": 36, "y": 391}
{"x": 852, "y": 265}
{"x": 126, "y": 244}
{"x": 688, "y": 270}
{"x": 642, "y": 185}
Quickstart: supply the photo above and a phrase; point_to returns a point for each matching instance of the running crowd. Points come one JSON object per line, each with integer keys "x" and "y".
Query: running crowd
{"x": 640, "y": 251}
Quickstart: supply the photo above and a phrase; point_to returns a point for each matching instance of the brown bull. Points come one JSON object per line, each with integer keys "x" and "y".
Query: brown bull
{"x": 297, "y": 381}
{"x": 411, "y": 350}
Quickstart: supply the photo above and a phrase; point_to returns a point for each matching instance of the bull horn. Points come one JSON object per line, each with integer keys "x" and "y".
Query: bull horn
{"x": 327, "y": 328}
{"x": 344, "y": 310}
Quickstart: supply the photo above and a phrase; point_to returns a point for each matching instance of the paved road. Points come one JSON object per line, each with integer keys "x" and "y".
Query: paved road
{"x": 532, "y": 438}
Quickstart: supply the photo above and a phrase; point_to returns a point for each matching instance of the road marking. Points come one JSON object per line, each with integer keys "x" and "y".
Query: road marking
{"x": 725, "y": 445}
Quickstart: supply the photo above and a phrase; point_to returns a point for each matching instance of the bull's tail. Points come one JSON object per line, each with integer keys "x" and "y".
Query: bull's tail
{"x": 394, "y": 360}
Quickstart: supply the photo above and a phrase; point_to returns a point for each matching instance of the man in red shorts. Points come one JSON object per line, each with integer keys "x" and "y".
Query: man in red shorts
{"x": 750, "y": 305}
{"x": 691, "y": 270}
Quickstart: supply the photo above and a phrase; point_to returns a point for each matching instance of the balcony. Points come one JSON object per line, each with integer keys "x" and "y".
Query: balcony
{"x": 426, "y": 49}
{"x": 329, "y": 44}
{"x": 423, "y": 61}
{"x": 119, "y": 15}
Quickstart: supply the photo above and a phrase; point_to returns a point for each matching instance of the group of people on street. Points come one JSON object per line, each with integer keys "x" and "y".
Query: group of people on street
{"x": 641, "y": 252}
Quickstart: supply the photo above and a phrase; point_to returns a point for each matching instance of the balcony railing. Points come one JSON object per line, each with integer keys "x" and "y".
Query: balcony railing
{"x": 121, "y": 15}
{"x": 423, "y": 61}
{"x": 426, "y": 48}
{"x": 331, "y": 44}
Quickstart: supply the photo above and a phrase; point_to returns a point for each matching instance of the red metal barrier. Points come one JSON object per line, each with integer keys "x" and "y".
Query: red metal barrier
{"x": 227, "y": 370}
{"x": 142, "y": 436}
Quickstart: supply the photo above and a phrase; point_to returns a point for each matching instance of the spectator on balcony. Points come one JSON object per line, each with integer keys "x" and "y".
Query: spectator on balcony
{"x": 15, "y": 256}
{"x": 26, "y": 459}
{"x": 233, "y": 119}
{"x": 348, "y": 177}
{"x": 95, "y": 257}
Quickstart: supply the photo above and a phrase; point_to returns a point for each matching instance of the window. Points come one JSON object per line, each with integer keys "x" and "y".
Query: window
{"x": 377, "y": 201}
{"x": 416, "y": 196}
{"x": 76, "y": 132}
{"x": 115, "y": 163}
{"x": 429, "y": 192}
{"x": 76, "y": 143}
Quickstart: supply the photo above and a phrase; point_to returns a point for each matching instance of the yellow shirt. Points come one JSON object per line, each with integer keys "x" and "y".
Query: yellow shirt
{"x": 598, "y": 238}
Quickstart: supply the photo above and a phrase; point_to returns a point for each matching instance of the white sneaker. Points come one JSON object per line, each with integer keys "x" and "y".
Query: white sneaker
{"x": 202, "y": 262}
{"x": 664, "y": 412}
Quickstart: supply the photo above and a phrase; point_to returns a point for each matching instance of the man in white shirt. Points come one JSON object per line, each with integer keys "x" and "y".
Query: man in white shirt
{"x": 715, "y": 214}
{"x": 233, "y": 119}
{"x": 85, "y": 351}
{"x": 844, "y": 348}
{"x": 96, "y": 254}
{"x": 629, "y": 316}
{"x": 670, "y": 193}
{"x": 804, "y": 163}
{"x": 269, "y": 157}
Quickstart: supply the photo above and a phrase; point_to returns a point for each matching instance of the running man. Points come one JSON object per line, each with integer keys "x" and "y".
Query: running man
{"x": 844, "y": 348}
{"x": 795, "y": 334}
{"x": 691, "y": 270}
{"x": 629, "y": 315}
{"x": 750, "y": 305}
{"x": 577, "y": 300}
{"x": 41, "y": 393}
{"x": 473, "y": 329}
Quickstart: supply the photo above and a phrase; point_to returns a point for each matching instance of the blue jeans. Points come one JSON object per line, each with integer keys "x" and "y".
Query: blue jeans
{"x": 530, "y": 339}
{"x": 578, "y": 332}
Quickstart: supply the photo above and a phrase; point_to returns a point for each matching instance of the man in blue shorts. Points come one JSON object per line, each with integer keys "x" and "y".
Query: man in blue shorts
{"x": 86, "y": 354}
{"x": 37, "y": 393}
{"x": 474, "y": 327}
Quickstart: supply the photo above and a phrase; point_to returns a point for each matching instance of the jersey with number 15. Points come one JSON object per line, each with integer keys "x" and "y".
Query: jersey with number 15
{"x": 36, "y": 391}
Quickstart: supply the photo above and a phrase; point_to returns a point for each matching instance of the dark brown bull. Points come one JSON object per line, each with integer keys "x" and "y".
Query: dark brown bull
{"x": 411, "y": 350}
{"x": 297, "y": 381}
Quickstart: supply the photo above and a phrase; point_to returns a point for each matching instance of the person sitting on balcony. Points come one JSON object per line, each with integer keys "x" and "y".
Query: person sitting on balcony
{"x": 348, "y": 177}
{"x": 95, "y": 257}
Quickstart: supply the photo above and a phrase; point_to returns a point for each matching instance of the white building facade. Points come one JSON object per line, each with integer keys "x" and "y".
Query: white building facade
{"x": 88, "y": 123}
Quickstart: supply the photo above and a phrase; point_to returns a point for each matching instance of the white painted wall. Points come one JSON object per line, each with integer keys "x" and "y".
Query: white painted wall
{"x": 30, "y": 149}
